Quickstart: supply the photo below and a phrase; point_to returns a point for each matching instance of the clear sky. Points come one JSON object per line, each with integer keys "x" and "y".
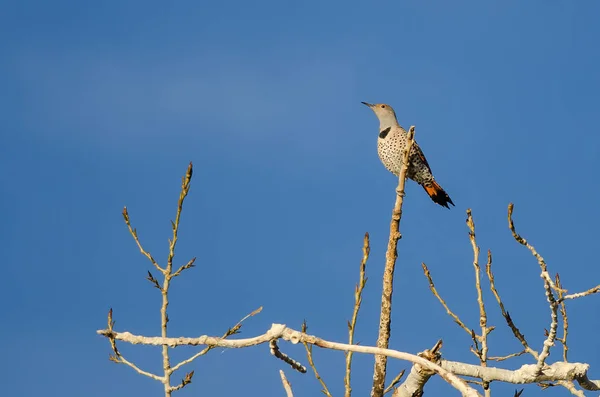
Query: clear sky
{"x": 105, "y": 103}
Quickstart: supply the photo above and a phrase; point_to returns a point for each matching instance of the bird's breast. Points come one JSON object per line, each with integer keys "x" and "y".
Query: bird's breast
{"x": 390, "y": 151}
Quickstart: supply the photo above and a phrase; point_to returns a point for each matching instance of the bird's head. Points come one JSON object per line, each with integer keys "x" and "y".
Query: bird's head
{"x": 384, "y": 112}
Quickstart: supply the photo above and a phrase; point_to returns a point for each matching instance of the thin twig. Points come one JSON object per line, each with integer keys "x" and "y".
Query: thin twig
{"x": 185, "y": 188}
{"x": 309, "y": 356}
{"x": 590, "y": 291}
{"x": 565, "y": 318}
{"x": 118, "y": 357}
{"x": 391, "y": 255}
{"x": 286, "y": 384}
{"x": 133, "y": 232}
{"x": 188, "y": 265}
{"x": 394, "y": 382}
{"x": 184, "y": 382}
{"x": 545, "y": 275}
{"x": 231, "y": 331}
{"x": 516, "y": 332}
{"x": 485, "y": 330}
{"x": 357, "y": 302}
{"x": 456, "y": 319}
{"x": 474, "y": 382}
{"x": 121, "y": 360}
{"x": 508, "y": 356}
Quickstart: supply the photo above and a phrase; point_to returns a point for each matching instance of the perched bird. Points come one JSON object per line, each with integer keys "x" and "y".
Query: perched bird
{"x": 391, "y": 144}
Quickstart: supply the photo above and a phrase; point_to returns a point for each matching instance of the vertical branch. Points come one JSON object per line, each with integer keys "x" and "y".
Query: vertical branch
{"x": 482, "y": 314}
{"x": 311, "y": 362}
{"x": 164, "y": 289}
{"x": 563, "y": 314}
{"x": 286, "y": 384}
{"x": 551, "y": 337}
{"x": 185, "y": 188}
{"x": 485, "y": 330}
{"x": 388, "y": 274}
{"x": 357, "y": 302}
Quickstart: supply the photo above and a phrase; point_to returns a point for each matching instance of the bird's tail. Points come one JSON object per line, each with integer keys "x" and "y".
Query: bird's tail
{"x": 437, "y": 194}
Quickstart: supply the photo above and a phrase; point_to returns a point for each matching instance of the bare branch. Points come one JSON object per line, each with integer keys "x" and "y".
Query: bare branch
{"x": 231, "y": 331}
{"x": 391, "y": 255}
{"x": 415, "y": 382}
{"x": 168, "y": 272}
{"x": 185, "y": 381}
{"x": 394, "y": 382}
{"x": 549, "y": 285}
{"x": 185, "y": 188}
{"x": 109, "y": 328}
{"x": 557, "y": 372}
{"x": 153, "y": 281}
{"x": 516, "y": 332}
{"x": 485, "y": 330}
{"x": 482, "y": 313}
{"x": 508, "y": 356}
{"x": 286, "y": 384}
{"x": 545, "y": 275}
{"x": 309, "y": 356}
{"x": 188, "y": 265}
{"x": 571, "y": 387}
{"x": 121, "y": 360}
{"x": 589, "y": 385}
{"x": 133, "y": 232}
{"x": 549, "y": 342}
{"x": 118, "y": 357}
{"x": 474, "y": 382}
{"x": 456, "y": 319}
{"x": 565, "y": 318}
{"x": 280, "y": 331}
{"x": 164, "y": 289}
{"x": 357, "y": 302}
{"x": 590, "y": 291}
{"x": 424, "y": 365}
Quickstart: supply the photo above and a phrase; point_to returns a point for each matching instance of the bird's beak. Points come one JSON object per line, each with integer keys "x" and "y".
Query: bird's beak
{"x": 368, "y": 104}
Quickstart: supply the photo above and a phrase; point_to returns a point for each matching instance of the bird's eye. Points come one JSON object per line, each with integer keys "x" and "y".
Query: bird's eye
{"x": 383, "y": 106}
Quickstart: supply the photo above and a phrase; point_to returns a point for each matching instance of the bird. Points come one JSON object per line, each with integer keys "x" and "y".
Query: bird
{"x": 391, "y": 143}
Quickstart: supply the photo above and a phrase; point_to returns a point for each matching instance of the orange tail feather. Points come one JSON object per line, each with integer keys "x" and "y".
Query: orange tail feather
{"x": 437, "y": 194}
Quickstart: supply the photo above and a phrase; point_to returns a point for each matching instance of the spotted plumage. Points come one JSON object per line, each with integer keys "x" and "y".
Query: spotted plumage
{"x": 390, "y": 145}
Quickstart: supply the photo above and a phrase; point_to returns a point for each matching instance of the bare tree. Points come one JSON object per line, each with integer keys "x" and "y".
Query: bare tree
{"x": 468, "y": 379}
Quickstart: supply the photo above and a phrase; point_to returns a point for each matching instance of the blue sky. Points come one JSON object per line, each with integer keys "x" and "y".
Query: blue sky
{"x": 105, "y": 104}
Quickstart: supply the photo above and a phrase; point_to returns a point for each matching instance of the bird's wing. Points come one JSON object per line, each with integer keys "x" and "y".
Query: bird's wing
{"x": 421, "y": 156}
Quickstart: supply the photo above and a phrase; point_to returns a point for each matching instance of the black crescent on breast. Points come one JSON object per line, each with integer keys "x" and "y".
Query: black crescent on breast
{"x": 384, "y": 133}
